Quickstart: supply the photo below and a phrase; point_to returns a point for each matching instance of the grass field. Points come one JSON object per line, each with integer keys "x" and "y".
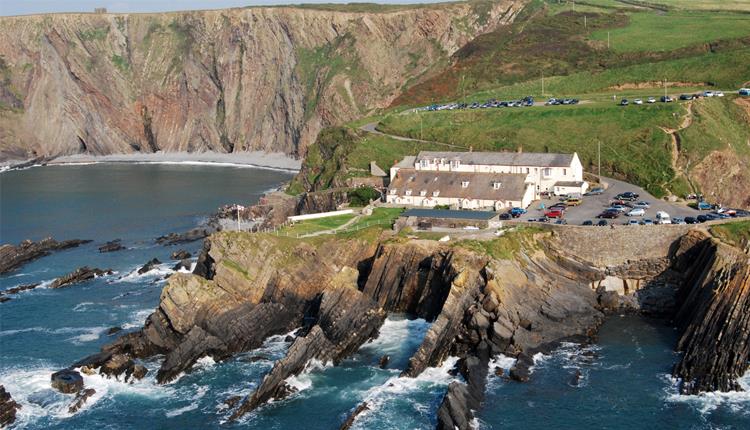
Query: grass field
{"x": 632, "y": 145}
{"x": 733, "y": 233}
{"x": 737, "y": 5}
{"x": 315, "y": 225}
{"x": 650, "y": 31}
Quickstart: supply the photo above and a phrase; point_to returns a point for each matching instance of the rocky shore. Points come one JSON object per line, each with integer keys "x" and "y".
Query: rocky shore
{"x": 13, "y": 257}
{"x": 247, "y": 287}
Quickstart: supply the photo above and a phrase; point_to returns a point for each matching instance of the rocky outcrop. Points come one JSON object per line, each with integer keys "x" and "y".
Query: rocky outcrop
{"x": 149, "y": 266}
{"x": 180, "y": 255}
{"x": 81, "y": 274}
{"x": 67, "y": 381}
{"x": 229, "y": 80}
{"x": 80, "y": 400}
{"x": 14, "y": 256}
{"x": 112, "y": 246}
{"x": 8, "y": 408}
{"x": 714, "y": 319}
{"x": 346, "y": 319}
{"x": 15, "y": 290}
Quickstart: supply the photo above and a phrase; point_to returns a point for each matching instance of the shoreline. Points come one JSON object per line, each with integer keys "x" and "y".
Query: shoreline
{"x": 253, "y": 159}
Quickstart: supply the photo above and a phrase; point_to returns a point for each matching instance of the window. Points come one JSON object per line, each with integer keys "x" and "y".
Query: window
{"x": 547, "y": 172}
{"x": 393, "y": 191}
{"x": 464, "y": 184}
{"x": 423, "y": 193}
{"x": 455, "y": 164}
{"x": 496, "y": 185}
{"x": 424, "y": 163}
{"x": 565, "y": 172}
{"x": 435, "y": 193}
{"x": 528, "y": 170}
{"x": 408, "y": 192}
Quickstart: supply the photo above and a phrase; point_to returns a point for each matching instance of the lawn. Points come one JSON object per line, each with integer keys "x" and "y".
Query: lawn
{"x": 633, "y": 147}
{"x": 315, "y": 225}
{"x": 739, "y": 5}
{"x": 733, "y": 233}
{"x": 648, "y": 31}
{"x": 370, "y": 227}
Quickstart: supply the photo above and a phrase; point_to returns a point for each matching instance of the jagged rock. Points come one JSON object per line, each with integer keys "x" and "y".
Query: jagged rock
{"x": 12, "y": 257}
{"x": 82, "y": 274}
{"x": 86, "y": 370}
{"x": 80, "y": 400}
{"x": 712, "y": 317}
{"x": 116, "y": 365}
{"x": 347, "y": 424}
{"x": 521, "y": 369}
{"x": 4, "y": 299}
{"x": 183, "y": 264}
{"x": 16, "y": 290}
{"x": 67, "y": 381}
{"x": 113, "y": 330}
{"x": 8, "y": 408}
{"x": 384, "y": 360}
{"x": 180, "y": 255}
{"x": 232, "y": 401}
{"x": 490, "y": 303}
{"x": 576, "y": 378}
{"x": 112, "y": 246}
{"x": 188, "y": 236}
{"x": 136, "y": 373}
{"x": 609, "y": 301}
{"x": 149, "y": 266}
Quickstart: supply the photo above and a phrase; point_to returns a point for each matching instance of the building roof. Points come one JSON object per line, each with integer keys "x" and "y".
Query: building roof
{"x": 450, "y": 214}
{"x": 407, "y": 162}
{"x": 540, "y": 159}
{"x": 450, "y": 184}
{"x": 569, "y": 184}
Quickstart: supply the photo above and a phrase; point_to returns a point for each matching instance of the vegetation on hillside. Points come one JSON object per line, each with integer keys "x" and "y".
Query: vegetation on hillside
{"x": 733, "y": 233}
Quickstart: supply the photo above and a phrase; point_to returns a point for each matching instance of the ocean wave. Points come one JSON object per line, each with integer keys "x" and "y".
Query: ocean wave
{"x": 159, "y": 271}
{"x": 138, "y": 319}
{"x": 303, "y": 380}
{"x": 396, "y": 334}
{"x": 82, "y": 307}
{"x": 706, "y": 403}
{"x": 499, "y": 361}
{"x": 83, "y": 334}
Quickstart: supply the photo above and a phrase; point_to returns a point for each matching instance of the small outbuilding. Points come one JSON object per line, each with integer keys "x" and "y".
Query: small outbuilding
{"x": 427, "y": 219}
{"x": 577, "y": 188}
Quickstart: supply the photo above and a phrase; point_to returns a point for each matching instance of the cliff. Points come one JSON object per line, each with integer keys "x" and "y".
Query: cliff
{"x": 223, "y": 80}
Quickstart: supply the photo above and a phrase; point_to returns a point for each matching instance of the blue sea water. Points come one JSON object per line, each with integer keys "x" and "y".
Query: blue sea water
{"x": 624, "y": 380}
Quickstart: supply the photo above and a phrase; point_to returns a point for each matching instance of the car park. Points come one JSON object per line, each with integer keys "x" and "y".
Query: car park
{"x": 651, "y": 100}
{"x": 602, "y": 223}
{"x": 636, "y": 212}
{"x": 637, "y": 102}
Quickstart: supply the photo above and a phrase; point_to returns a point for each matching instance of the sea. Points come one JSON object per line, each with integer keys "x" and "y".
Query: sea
{"x": 621, "y": 382}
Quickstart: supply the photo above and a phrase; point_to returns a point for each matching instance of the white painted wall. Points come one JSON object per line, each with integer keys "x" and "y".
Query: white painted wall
{"x": 320, "y": 215}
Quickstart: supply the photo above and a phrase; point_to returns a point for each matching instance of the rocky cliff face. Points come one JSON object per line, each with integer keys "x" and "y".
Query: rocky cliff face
{"x": 226, "y": 80}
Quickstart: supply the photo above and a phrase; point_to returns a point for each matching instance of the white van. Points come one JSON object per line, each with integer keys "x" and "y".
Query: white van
{"x": 663, "y": 218}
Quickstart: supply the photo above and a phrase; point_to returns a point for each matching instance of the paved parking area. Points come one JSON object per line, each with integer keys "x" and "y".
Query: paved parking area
{"x": 594, "y": 205}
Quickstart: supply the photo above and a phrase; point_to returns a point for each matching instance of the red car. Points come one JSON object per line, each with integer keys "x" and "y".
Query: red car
{"x": 554, "y": 213}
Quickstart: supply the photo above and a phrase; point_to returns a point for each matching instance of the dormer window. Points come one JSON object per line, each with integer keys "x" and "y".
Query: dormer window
{"x": 464, "y": 184}
{"x": 455, "y": 164}
{"x": 423, "y": 193}
{"x": 408, "y": 192}
{"x": 393, "y": 191}
{"x": 496, "y": 185}
{"x": 424, "y": 163}
{"x": 435, "y": 193}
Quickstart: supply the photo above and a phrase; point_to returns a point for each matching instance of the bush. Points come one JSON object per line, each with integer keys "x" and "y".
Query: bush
{"x": 362, "y": 196}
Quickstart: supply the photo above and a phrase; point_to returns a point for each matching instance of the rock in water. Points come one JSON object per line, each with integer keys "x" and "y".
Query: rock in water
{"x": 183, "y": 264}
{"x": 117, "y": 365}
{"x": 136, "y": 373}
{"x": 83, "y": 274}
{"x": 353, "y": 416}
{"x": 13, "y": 257}
{"x": 149, "y": 266}
{"x": 8, "y": 408}
{"x": 67, "y": 381}
{"x": 384, "y": 360}
{"x": 15, "y": 290}
{"x": 180, "y": 255}
{"x": 232, "y": 401}
{"x": 80, "y": 400}
{"x": 112, "y": 246}
{"x": 113, "y": 330}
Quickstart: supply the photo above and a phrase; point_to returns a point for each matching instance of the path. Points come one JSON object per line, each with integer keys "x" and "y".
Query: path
{"x": 334, "y": 230}
{"x": 371, "y": 128}
{"x": 674, "y": 137}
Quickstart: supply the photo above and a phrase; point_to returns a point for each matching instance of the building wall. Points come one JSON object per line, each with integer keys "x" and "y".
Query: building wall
{"x": 431, "y": 201}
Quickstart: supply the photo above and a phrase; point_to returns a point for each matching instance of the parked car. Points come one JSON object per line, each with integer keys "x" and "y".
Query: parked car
{"x": 651, "y": 100}
{"x": 552, "y": 102}
{"x": 618, "y": 208}
{"x": 632, "y": 222}
{"x": 602, "y": 223}
{"x": 705, "y": 206}
{"x": 708, "y": 94}
{"x": 595, "y": 192}
{"x": 624, "y": 102}
{"x": 647, "y": 221}
{"x": 628, "y": 196}
{"x": 561, "y": 221}
{"x": 744, "y": 92}
{"x": 642, "y": 205}
{"x": 718, "y": 94}
{"x": 554, "y": 213}
{"x": 690, "y": 220}
{"x": 517, "y": 212}
{"x": 636, "y": 212}
{"x": 666, "y": 99}
{"x": 587, "y": 222}
{"x": 637, "y": 102}
{"x": 506, "y": 216}
{"x": 686, "y": 96}
{"x": 663, "y": 218}
{"x": 608, "y": 214}
{"x": 701, "y": 218}
{"x": 677, "y": 220}
{"x": 573, "y": 202}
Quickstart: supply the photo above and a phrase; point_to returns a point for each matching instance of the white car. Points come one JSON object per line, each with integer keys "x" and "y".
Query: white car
{"x": 642, "y": 205}
{"x": 619, "y": 208}
{"x": 708, "y": 94}
{"x": 718, "y": 94}
{"x": 663, "y": 218}
{"x": 651, "y": 100}
{"x": 637, "y": 102}
{"x": 636, "y": 212}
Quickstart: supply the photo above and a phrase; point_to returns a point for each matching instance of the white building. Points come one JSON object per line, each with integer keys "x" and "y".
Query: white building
{"x": 543, "y": 170}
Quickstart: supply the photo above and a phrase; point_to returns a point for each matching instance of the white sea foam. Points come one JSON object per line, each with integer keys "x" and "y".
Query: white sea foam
{"x": 395, "y": 333}
{"x": 159, "y": 271}
{"x": 82, "y": 334}
{"x": 137, "y": 318}
{"x": 82, "y": 307}
{"x": 706, "y": 403}
{"x": 303, "y": 380}
{"x": 502, "y": 361}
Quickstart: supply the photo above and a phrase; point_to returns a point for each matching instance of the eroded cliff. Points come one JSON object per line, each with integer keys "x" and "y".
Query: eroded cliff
{"x": 224, "y": 80}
